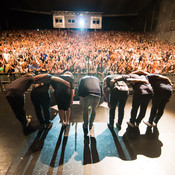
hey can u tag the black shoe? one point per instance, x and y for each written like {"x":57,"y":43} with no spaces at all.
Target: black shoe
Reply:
{"x":28,"y":129}
{"x":118,"y":126}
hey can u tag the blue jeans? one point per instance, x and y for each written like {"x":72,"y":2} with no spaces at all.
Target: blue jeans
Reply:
{"x":93,"y":102}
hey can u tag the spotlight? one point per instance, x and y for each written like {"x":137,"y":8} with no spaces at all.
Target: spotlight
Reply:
{"x":81,"y":22}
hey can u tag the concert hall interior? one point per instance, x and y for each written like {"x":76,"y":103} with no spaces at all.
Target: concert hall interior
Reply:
{"x":111,"y":60}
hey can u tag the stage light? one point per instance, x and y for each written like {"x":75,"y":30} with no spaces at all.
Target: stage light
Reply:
{"x":82,"y":22}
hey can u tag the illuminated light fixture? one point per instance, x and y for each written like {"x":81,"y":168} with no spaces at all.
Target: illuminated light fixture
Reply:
{"x":82,"y":22}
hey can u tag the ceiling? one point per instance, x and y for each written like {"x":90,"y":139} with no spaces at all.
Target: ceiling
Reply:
{"x":105,"y":6}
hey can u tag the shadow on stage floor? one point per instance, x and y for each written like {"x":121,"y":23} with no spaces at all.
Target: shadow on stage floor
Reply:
{"x":61,"y":149}
{"x":68,"y":150}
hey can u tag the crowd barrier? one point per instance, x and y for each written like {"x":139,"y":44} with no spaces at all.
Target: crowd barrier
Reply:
{"x":6,"y":79}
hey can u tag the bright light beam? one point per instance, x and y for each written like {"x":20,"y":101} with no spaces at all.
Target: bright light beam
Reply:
{"x":82,"y":22}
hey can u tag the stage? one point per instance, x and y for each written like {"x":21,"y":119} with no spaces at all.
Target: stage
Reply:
{"x":102,"y":151}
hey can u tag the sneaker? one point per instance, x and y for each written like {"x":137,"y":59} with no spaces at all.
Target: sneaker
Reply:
{"x":118,"y":126}
{"x":148,"y":124}
{"x":130,"y":124}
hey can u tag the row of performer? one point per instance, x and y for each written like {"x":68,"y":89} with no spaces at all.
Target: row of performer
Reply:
{"x":115,"y":89}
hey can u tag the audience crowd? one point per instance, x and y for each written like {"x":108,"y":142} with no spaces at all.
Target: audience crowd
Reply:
{"x":80,"y":51}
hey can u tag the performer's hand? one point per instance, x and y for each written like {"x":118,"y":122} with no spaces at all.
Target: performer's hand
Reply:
{"x":68,"y":84}
{"x":36,"y":85}
{"x":147,"y":82}
{"x":71,"y":102}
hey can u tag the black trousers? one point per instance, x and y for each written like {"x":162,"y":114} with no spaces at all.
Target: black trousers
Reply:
{"x":41,"y":102}
{"x":159,"y":102}
{"x":117,"y":98}
{"x":141,"y":101}
{"x":17,"y":104}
